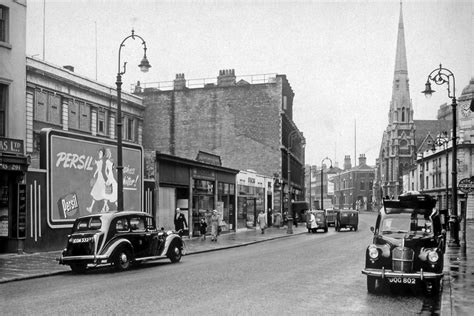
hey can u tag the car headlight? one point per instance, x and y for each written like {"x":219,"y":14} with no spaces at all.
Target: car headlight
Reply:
{"x":433,"y":256}
{"x":373,"y":252}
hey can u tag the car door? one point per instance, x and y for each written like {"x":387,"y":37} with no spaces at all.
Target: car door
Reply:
{"x":140,"y":237}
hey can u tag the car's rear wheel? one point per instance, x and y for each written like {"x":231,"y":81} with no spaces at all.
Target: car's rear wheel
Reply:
{"x":371,"y":284}
{"x":122,"y":259}
{"x":78,"y":268}
{"x":174,"y":253}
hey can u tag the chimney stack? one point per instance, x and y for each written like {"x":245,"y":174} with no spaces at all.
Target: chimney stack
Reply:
{"x":347,"y":162}
{"x":226,"y":78}
{"x":362,"y":160}
{"x":179,"y":83}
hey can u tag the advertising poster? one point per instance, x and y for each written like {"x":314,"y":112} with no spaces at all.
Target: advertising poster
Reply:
{"x":82,"y":176}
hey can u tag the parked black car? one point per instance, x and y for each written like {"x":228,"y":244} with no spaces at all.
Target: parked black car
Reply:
{"x":331,"y":215}
{"x":408,"y":245}
{"x":118,"y":239}
{"x":347,"y":219}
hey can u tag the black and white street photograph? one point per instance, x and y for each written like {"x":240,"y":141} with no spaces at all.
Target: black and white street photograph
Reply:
{"x":237,"y":157}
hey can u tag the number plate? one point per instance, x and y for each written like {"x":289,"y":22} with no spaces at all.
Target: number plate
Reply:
{"x":402,"y":280}
{"x":81,"y":240}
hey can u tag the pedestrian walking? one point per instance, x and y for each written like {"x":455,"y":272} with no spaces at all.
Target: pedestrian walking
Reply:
{"x":203,"y":228}
{"x":262,"y":221}
{"x":277,"y":219}
{"x":180,"y":223}
{"x":214,"y":225}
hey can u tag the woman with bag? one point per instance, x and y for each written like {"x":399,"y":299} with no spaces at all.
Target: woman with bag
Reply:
{"x":262,"y":221}
{"x":214,"y":225}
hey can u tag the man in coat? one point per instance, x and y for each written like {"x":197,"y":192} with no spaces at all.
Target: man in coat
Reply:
{"x":180,"y":223}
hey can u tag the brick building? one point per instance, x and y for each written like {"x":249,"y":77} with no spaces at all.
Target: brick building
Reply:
{"x":246,"y":121}
{"x":353,"y":185}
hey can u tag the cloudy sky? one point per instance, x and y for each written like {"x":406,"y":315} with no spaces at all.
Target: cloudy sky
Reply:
{"x":338,"y":56}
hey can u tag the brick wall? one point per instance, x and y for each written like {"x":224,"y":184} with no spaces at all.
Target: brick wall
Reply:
{"x":240,"y":123}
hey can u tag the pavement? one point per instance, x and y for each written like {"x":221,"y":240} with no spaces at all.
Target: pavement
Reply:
{"x":458,"y":281}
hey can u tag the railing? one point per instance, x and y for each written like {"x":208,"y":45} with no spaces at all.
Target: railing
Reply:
{"x":206,"y":82}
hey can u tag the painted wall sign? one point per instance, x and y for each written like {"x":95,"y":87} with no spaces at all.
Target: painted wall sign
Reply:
{"x":10,"y":145}
{"x":82,"y":176}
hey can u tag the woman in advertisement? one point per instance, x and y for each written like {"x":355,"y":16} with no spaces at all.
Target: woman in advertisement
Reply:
{"x":110,"y":182}
{"x":98,"y":187}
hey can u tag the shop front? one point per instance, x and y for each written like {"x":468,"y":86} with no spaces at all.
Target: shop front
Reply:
{"x":196,"y":187}
{"x":13,"y":166}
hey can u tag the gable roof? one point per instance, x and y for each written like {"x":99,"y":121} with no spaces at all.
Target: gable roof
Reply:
{"x":432,"y":127}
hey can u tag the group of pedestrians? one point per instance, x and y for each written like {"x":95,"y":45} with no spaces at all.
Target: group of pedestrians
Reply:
{"x":180,"y":224}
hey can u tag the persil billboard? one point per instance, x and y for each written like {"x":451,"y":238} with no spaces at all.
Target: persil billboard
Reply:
{"x":82,"y":175}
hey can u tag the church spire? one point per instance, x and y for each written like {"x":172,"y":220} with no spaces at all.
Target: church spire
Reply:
{"x":401,"y":56}
{"x":401,"y":110}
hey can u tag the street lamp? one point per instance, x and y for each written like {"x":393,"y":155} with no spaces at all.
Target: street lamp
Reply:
{"x":290,"y":214}
{"x":322,"y":180}
{"x":441,"y":76}
{"x":144,"y":67}
{"x":443,"y":140}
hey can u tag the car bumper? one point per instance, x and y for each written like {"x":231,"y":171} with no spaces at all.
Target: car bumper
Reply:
{"x":87,"y":259}
{"x":382,"y":273}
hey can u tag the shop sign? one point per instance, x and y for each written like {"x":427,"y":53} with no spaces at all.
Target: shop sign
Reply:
{"x":82,"y":175}
{"x":21,"y":216}
{"x":209,"y":158}
{"x":12,"y":167}
{"x":466,"y":185}
{"x":12,"y":146}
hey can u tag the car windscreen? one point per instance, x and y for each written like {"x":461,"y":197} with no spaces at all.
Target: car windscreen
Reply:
{"x":406,"y":223}
{"x":88,"y":223}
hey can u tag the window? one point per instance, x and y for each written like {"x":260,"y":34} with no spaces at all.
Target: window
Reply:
{"x":137,"y":223}
{"x":85,"y":117}
{"x":73,"y":120}
{"x":40,"y":106}
{"x":362,"y":185}
{"x":285,"y":102}
{"x":101,"y":122}
{"x":3,"y":109}
{"x":3,"y":24}
{"x":121,"y":225}
{"x":130,"y":129}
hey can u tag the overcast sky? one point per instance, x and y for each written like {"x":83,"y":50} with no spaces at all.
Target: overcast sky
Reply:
{"x":338,"y":56}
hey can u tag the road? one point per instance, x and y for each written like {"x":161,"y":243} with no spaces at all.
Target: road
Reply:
{"x":302,"y":275}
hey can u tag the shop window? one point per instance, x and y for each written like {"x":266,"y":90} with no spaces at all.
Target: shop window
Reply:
{"x":3,"y":109}
{"x":4,"y":201}
{"x":3,"y":24}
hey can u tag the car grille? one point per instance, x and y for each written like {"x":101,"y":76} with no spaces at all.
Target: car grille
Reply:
{"x":402,"y":259}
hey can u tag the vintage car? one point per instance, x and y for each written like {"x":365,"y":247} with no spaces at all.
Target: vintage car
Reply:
{"x":347,"y":219}
{"x":118,"y":239}
{"x":331,"y":216}
{"x":408,"y":245}
{"x":316,"y":220}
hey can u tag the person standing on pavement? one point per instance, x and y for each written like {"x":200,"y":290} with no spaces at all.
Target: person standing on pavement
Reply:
{"x":262,"y":221}
{"x":214,"y":225}
{"x":203,"y":228}
{"x":180,"y":223}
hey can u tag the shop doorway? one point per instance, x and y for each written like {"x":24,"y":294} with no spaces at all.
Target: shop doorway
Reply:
{"x":202,"y":207}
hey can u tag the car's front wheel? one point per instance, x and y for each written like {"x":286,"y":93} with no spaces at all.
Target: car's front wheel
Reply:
{"x":371,"y":284}
{"x":122,"y":259}
{"x":78,"y":268}
{"x":174,"y":254}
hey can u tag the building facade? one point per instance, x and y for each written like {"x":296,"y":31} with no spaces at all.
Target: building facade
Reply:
{"x":13,"y":160}
{"x":246,"y":121}
{"x":353,"y":186}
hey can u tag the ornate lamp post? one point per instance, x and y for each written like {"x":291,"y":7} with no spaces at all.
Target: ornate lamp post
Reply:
{"x":322,"y":181}
{"x":144,"y":67}
{"x":442,"y":76}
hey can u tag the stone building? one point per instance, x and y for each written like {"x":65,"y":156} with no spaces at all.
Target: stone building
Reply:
{"x":247,"y":122}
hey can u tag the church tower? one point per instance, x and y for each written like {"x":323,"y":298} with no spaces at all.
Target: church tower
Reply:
{"x":398,"y":149}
